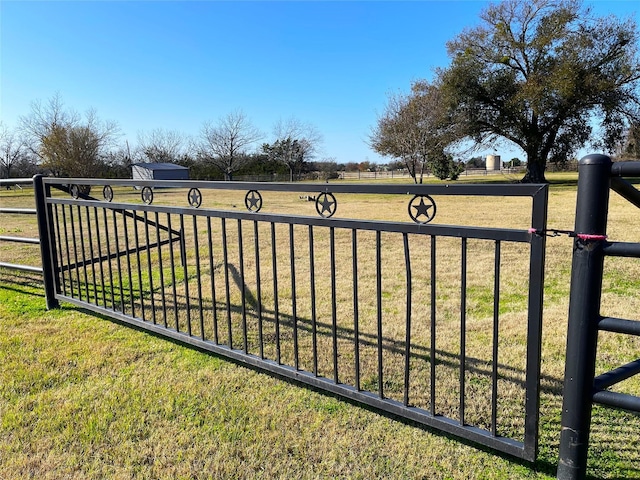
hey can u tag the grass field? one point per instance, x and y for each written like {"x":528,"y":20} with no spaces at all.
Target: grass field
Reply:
{"x":82,"y":397}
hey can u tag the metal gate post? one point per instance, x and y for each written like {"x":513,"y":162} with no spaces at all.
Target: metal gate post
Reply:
{"x":46,"y":243}
{"x":584,"y":315}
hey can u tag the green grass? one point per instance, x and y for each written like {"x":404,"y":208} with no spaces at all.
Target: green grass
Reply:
{"x":83,"y":397}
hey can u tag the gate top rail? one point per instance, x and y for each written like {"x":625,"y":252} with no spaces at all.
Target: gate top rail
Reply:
{"x":421,"y":208}
{"x":537,"y":192}
{"x":501,"y":190}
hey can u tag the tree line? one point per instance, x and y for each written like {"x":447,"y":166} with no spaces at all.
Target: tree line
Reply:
{"x":59,"y":141}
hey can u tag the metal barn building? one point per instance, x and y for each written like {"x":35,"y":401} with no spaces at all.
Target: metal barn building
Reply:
{"x":159,"y":171}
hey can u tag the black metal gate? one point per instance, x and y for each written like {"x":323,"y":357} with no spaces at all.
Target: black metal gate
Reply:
{"x":410,"y":317}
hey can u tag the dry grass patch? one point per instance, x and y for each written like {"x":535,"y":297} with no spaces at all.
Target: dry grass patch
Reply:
{"x":134,"y":405}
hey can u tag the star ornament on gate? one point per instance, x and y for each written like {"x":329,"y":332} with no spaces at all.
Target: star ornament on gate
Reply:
{"x":253,"y":201}
{"x":326,"y":204}
{"x":422,"y":209}
{"x":147,"y":195}
{"x":107,"y":193}
{"x":194,"y":197}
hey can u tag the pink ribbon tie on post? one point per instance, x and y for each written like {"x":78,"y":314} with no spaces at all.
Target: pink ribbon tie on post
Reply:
{"x":587,"y":236}
{"x":581,"y":236}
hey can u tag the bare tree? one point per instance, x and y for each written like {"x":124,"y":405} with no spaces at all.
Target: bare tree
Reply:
{"x":12,"y":148}
{"x":225,"y":144}
{"x":296,"y":142}
{"x":43,"y":120}
{"x":161,"y":146}
{"x":415,"y":129}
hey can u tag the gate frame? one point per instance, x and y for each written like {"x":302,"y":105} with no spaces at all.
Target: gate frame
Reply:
{"x":538,"y":193}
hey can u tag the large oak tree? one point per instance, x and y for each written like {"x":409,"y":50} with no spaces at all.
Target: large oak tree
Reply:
{"x":547,"y":76}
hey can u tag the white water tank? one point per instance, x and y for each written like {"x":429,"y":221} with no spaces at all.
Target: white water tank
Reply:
{"x":493,"y":162}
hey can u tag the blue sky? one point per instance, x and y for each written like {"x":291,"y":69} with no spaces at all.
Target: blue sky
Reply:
{"x":176,"y":64}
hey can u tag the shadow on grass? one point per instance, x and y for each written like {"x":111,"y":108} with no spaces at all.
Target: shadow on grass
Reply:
{"x":21,"y":282}
{"x":549,"y":384}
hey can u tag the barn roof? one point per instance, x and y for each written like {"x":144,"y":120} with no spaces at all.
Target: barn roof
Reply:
{"x":160,"y":166}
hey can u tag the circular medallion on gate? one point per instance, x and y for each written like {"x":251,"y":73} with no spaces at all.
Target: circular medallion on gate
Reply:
{"x":422,"y":209}
{"x":326,"y":204}
{"x":107,"y":193}
{"x":74,"y":191}
{"x":253,"y":201}
{"x":194,"y":197}
{"x":147,"y":195}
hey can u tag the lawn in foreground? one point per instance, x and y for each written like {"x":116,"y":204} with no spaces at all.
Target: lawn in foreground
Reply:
{"x":81,"y":397}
